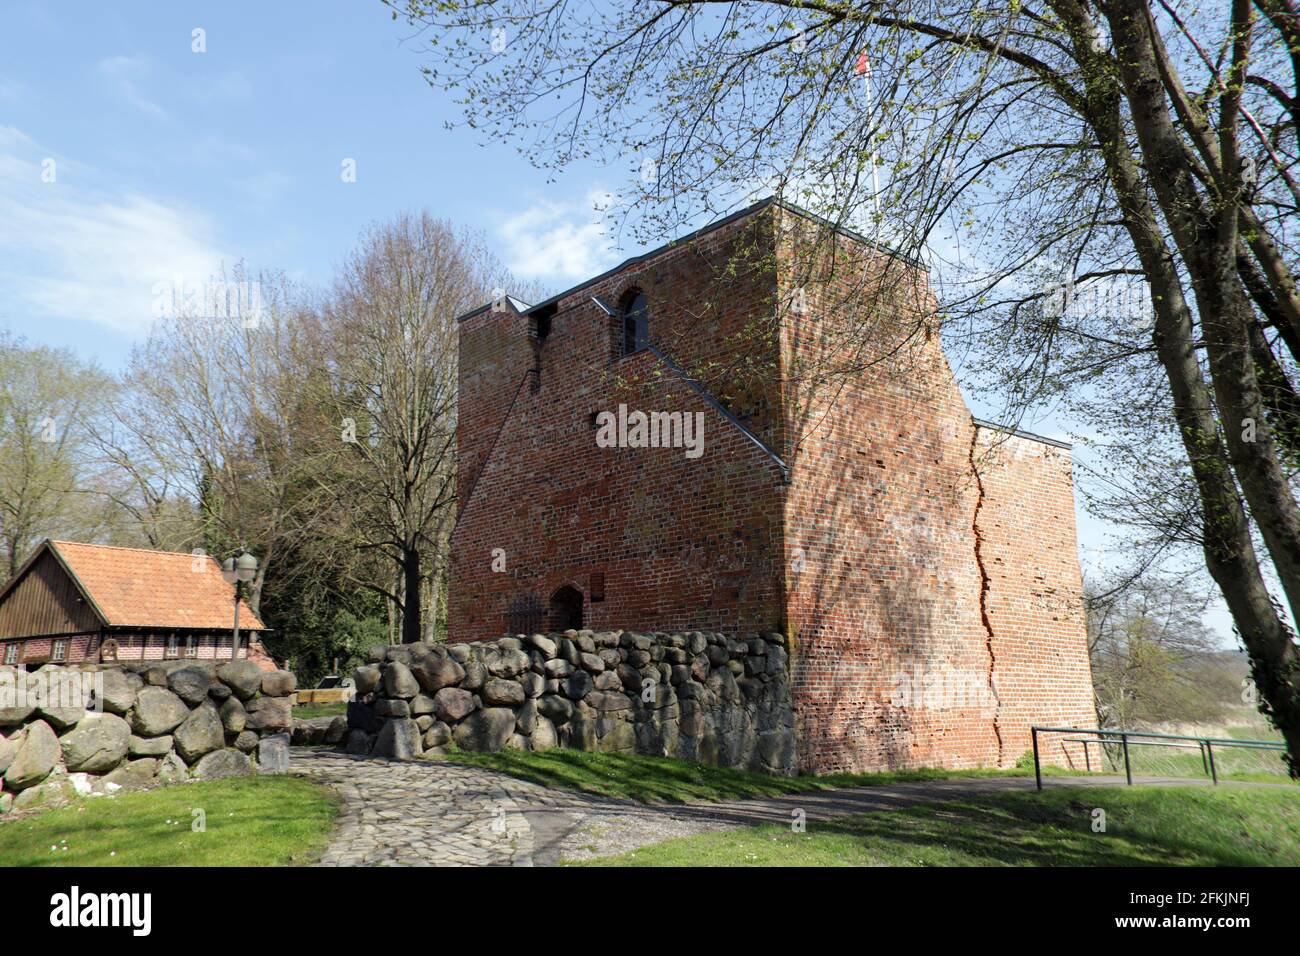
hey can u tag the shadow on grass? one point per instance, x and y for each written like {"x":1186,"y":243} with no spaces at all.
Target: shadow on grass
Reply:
{"x":665,"y":780}
{"x":1240,"y":826}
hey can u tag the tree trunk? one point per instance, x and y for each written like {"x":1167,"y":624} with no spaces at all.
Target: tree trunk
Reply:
{"x":411,"y":599}
{"x":1229,"y":551}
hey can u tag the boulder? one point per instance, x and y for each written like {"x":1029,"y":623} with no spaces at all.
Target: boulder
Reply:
{"x":172,"y":769}
{"x":526,"y":718}
{"x":363,"y":717}
{"x":577,"y":685}
{"x":274,"y":714}
{"x":399,"y":681}
{"x":485,"y":730}
{"x":246,"y":742}
{"x":556,"y":708}
{"x":391,"y":707}
{"x":242,"y":677}
{"x":219,"y":692}
{"x":366,"y":679}
{"x":508,"y":663}
{"x":608,"y":701}
{"x":149,"y":746}
{"x":222,"y":763}
{"x":358,"y":742}
{"x":399,"y":738}
{"x":475,"y":676}
{"x":60,"y":718}
{"x":134,"y":773}
{"x":117,"y":692}
{"x":200,"y":733}
{"x":453,"y":703}
{"x":9,"y":749}
{"x":437,"y":735}
{"x":157,"y":712}
{"x":97,"y":745}
{"x":557,"y":668}
{"x":421,"y":704}
{"x":435,"y":673}
{"x":190,"y":684}
{"x":55,"y":792}
{"x":542,"y":643}
{"x":338,"y":729}
{"x":504,"y":693}
{"x":37,"y":756}
{"x":15,"y":716}
{"x":533,"y":684}
{"x":233,"y":716}
{"x":543,"y":736}
{"x":593,"y":663}
{"x":273,"y":754}
{"x":279,"y":683}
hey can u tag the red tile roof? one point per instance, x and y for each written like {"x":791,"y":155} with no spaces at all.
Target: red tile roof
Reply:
{"x":131,"y":587}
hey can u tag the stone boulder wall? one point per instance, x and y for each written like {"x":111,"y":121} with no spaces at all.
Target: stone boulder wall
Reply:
{"x":706,"y":697}
{"x":146,"y":723}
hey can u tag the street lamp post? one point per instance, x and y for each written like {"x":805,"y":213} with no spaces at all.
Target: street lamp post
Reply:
{"x":238,"y":569}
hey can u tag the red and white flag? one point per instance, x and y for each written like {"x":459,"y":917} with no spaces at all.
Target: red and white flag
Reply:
{"x":863,"y":67}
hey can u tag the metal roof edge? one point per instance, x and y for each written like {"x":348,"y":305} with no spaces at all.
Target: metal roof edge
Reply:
{"x":1008,"y":429}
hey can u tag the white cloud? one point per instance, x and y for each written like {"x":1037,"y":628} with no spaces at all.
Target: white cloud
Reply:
{"x":72,"y":254}
{"x":558,"y":241}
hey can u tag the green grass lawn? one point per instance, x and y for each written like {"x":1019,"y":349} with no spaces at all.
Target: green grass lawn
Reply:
{"x":1145,"y":826}
{"x":308,"y":711}
{"x":664,"y":780}
{"x":250,"y":821}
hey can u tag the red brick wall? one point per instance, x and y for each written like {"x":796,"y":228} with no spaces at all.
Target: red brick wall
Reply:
{"x":867,"y":559}
{"x":1035,"y":597}
{"x":893,"y":665}
{"x":681,"y":542}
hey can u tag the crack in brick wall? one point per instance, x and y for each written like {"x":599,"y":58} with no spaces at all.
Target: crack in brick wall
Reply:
{"x":985,"y":584}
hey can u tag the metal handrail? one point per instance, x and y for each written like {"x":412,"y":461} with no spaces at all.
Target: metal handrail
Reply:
{"x":1204,"y":744}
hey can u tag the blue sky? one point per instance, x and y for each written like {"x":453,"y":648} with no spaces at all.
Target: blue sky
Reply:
{"x":170,"y":163}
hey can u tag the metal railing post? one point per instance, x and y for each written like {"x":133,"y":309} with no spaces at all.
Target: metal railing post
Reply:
{"x":1209,"y":750}
{"x":1128,"y":768}
{"x":1038,"y":773}
{"x":1087,"y":758}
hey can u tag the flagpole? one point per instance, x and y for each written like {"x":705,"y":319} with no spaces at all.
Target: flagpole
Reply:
{"x":864,"y":68}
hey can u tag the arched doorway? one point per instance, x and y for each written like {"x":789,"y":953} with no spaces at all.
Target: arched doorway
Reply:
{"x":566,"y":608}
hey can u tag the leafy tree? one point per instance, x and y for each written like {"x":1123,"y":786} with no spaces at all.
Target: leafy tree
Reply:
{"x":1061,"y":145}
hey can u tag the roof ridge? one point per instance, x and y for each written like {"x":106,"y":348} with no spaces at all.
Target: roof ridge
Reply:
{"x":122,"y":547}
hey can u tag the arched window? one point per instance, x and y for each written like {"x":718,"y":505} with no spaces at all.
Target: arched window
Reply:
{"x":566,"y":608}
{"x":636,"y":323}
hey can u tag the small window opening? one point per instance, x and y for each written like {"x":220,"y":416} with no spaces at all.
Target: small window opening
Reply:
{"x":636,"y":323}
{"x":539,"y":330}
{"x":539,"y":323}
